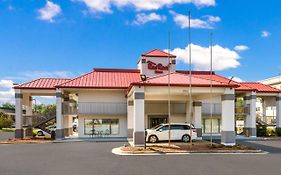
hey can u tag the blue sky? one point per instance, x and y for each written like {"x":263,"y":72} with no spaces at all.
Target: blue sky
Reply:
{"x":40,"y":38}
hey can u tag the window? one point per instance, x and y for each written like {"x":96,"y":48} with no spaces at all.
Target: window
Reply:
{"x":164,"y":128}
{"x":207,"y":126}
{"x":180,"y":127}
{"x":101,"y":126}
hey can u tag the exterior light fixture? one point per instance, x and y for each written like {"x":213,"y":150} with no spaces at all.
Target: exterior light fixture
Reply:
{"x":143,"y":77}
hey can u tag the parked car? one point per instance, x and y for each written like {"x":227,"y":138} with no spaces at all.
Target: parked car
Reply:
{"x":179,"y":131}
{"x":51,"y":128}
{"x":39,"y":133}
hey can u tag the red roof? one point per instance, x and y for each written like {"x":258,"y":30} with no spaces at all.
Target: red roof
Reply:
{"x":42,"y":83}
{"x":158,"y":53}
{"x":256,"y":86}
{"x":182,"y":79}
{"x":206,"y":75}
{"x":104,"y":78}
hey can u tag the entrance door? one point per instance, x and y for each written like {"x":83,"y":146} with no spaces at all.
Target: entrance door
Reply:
{"x":157,"y":119}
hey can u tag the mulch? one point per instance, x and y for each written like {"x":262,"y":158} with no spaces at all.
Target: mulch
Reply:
{"x":198,"y":146}
{"x":26,"y":140}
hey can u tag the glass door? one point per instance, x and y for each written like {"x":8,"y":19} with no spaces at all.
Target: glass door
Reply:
{"x":156,"y":120}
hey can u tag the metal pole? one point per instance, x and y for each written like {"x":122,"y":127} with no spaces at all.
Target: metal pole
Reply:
{"x":211,"y":85}
{"x":169,"y":90}
{"x":190,"y":75}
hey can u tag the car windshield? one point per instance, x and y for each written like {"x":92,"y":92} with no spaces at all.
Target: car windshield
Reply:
{"x":155,"y":127}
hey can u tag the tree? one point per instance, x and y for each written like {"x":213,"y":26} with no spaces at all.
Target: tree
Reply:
{"x":5,"y":120}
{"x":46,"y":110}
{"x":8,"y":105}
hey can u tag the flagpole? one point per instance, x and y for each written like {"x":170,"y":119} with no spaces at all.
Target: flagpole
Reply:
{"x":211,"y":85}
{"x":169,"y":88}
{"x":190,"y":76}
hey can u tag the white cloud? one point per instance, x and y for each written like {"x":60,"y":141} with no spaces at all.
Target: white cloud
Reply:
{"x":6,"y":91}
{"x":241,"y":48}
{"x":237,"y":79}
{"x":265,"y":34}
{"x":143,"y":18}
{"x":49,"y":11}
{"x":6,"y":83}
{"x":7,"y":96}
{"x":207,"y":22}
{"x":223,"y":58}
{"x":106,"y":5}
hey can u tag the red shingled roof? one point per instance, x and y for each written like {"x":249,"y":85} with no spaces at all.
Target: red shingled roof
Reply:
{"x":182,"y":79}
{"x":257,"y":86}
{"x":158,"y":53}
{"x":42,"y":83}
{"x":104,"y":78}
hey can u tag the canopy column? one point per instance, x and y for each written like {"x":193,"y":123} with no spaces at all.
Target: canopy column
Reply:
{"x":18,"y":116}
{"x":138,"y":119}
{"x":198,"y":118}
{"x":228,"y":118}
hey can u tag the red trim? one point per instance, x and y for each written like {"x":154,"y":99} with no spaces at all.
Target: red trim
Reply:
{"x":196,"y":72}
{"x":116,"y":70}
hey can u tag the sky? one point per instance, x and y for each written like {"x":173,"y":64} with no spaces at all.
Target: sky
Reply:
{"x":66,"y":38}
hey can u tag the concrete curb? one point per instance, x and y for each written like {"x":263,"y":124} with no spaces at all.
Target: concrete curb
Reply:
{"x":117,"y":151}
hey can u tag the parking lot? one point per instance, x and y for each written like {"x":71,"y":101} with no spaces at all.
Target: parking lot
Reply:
{"x":95,"y":158}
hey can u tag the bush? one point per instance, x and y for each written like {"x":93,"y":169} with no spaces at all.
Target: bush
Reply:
{"x":5,"y":121}
{"x":261,"y":130}
{"x":278,"y":131}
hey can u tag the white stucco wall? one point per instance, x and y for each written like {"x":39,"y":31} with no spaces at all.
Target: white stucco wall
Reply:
{"x":102,"y":96}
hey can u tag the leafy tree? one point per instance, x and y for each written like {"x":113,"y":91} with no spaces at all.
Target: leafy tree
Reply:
{"x":47,"y":110}
{"x":8,"y":105}
{"x":5,"y":120}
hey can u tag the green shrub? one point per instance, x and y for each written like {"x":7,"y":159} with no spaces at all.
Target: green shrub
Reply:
{"x":5,"y":121}
{"x":261,"y":130}
{"x":278,"y":131}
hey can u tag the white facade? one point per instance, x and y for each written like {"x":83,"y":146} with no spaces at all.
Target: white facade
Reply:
{"x":127,"y":112}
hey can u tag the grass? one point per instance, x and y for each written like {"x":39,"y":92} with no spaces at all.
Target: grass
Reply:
{"x":7,"y":130}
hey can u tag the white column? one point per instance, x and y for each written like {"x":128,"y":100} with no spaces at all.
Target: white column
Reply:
{"x":228,"y":118}
{"x":198,"y":118}
{"x":278,"y":113}
{"x":139,"y":131}
{"x":59,"y":116}
{"x":18,"y":117}
{"x":130,"y":116}
{"x":28,"y":108}
{"x":250,"y":124}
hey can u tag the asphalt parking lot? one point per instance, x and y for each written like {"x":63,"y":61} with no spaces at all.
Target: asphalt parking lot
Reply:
{"x":95,"y":158}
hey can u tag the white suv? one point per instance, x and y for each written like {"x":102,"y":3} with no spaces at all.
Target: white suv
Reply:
{"x":179,"y":131}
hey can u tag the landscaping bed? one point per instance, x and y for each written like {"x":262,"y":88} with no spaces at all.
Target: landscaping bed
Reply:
{"x":26,"y":140}
{"x":196,"y":147}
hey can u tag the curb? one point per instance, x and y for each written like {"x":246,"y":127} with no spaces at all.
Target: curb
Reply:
{"x":117,"y":151}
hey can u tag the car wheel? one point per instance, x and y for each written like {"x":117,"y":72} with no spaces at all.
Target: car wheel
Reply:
{"x":152,"y":139}
{"x":185,"y":138}
{"x":40,"y":133}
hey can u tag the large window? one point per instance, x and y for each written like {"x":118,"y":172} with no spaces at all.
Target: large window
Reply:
{"x":101,"y":126}
{"x":207,"y":126}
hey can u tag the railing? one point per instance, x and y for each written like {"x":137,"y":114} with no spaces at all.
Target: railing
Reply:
{"x":69,"y":108}
{"x":36,"y":120}
{"x":105,"y":108}
{"x":216,"y":108}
